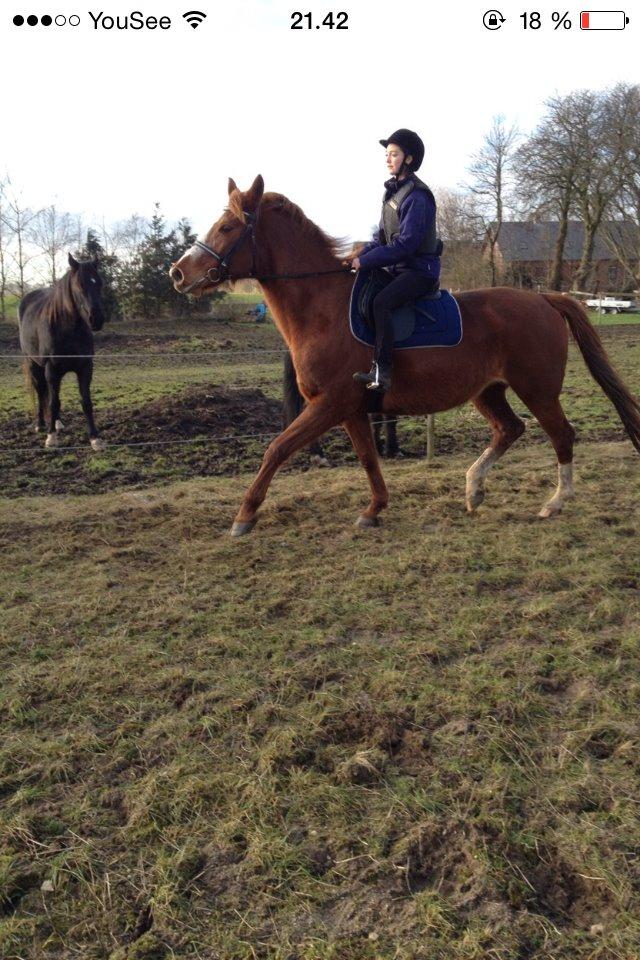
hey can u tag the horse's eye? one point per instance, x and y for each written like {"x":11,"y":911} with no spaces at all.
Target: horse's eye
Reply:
{"x":225,"y":228}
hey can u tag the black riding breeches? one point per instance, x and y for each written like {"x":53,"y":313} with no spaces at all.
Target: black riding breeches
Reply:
{"x":403,"y":289}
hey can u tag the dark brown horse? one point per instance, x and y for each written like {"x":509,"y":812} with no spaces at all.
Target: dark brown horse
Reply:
{"x":56,"y":337}
{"x":512,"y":338}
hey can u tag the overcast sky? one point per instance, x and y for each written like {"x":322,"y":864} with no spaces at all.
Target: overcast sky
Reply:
{"x":106,"y":122}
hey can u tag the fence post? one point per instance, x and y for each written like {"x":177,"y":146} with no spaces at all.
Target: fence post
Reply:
{"x":431,"y":437}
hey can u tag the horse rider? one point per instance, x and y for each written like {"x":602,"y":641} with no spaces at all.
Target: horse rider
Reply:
{"x":406,"y":246}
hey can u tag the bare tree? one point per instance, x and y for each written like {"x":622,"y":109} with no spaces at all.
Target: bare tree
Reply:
{"x":52,"y":232}
{"x":605,"y":132}
{"x":623,"y":233}
{"x":4,"y":245}
{"x":126,"y":235}
{"x":546,"y":168}
{"x":490,"y":173}
{"x":16,"y":219}
{"x":459,"y":225}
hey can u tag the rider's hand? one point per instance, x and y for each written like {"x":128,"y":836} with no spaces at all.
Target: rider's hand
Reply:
{"x":355,"y":263}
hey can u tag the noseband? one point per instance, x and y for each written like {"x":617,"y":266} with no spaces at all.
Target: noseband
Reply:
{"x":220,"y":272}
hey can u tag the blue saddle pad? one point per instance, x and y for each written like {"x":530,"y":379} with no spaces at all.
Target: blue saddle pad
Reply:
{"x":432,"y":321}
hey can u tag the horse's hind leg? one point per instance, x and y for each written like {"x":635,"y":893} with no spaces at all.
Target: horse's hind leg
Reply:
{"x":393,"y":447}
{"x":39,"y":382}
{"x":53,"y":379}
{"x":507,"y":427}
{"x":551,"y":417}
{"x":85,"y":375}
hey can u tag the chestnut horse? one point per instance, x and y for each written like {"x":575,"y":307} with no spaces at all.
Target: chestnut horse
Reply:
{"x":512,"y":338}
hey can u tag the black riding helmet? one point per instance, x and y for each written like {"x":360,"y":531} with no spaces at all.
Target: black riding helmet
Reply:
{"x":410,"y":143}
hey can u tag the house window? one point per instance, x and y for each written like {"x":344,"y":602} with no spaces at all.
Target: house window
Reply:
{"x":613,"y":275}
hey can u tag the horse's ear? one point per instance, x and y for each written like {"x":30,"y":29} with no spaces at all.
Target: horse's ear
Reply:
{"x":254,"y":194}
{"x":73,"y":263}
{"x":232,"y":185}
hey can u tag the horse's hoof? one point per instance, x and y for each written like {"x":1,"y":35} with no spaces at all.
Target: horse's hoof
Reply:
{"x":59,"y":426}
{"x":366,"y":522}
{"x":52,"y":441}
{"x":548,"y":512}
{"x":319,"y":461}
{"x":240,"y":527}
{"x":98,"y":444}
{"x":474,"y":501}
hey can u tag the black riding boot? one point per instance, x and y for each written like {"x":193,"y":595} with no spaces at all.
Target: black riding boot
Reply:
{"x":378,"y":378}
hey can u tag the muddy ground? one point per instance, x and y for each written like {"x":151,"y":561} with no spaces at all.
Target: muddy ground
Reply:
{"x":209,"y":430}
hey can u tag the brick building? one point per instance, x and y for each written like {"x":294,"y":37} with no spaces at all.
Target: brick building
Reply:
{"x":525,"y":252}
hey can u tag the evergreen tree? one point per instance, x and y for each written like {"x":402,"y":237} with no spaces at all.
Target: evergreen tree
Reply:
{"x":143,"y":284}
{"x":108,"y":266}
{"x":155,"y":291}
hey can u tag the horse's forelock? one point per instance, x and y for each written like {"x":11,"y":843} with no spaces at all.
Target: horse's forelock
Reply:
{"x":235,"y":205}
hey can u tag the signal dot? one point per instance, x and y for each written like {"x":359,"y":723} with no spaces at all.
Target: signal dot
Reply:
{"x":60,"y":20}
{"x":18,"y":20}
{"x":46,"y":20}
{"x":32,"y":20}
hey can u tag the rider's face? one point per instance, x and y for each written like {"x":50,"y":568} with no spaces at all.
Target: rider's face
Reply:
{"x":395,"y":158}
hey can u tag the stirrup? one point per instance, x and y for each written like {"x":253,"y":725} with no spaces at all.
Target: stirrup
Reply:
{"x":381,"y":381}
{"x":367,"y":377}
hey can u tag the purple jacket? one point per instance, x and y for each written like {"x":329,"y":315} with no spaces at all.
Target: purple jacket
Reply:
{"x":417,"y":213}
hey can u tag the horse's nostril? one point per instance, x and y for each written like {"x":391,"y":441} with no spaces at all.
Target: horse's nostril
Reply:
{"x":176,"y":274}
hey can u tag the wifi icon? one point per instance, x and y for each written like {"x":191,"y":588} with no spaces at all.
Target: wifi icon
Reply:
{"x":194,"y":17}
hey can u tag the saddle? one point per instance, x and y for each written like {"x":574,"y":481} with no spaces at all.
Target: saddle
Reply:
{"x":404,"y":316}
{"x":432,"y":320}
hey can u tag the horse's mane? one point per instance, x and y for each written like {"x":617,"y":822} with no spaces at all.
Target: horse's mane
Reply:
{"x":60,"y":309}
{"x":334,"y":246}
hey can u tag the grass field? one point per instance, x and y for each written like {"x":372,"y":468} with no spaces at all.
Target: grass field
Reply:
{"x":314,"y":743}
{"x":418,"y":742}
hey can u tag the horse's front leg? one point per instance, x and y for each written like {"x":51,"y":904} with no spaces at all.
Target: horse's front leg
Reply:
{"x":359,"y":429}
{"x":85,"y":376}
{"x":316,"y":418}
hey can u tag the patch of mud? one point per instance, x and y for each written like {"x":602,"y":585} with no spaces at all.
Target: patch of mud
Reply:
{"x":161,"y":429}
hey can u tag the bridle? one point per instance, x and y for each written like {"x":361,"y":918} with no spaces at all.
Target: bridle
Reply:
{"x":221,"y":271}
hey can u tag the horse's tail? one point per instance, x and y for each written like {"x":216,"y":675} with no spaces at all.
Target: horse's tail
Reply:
{"x":292,"y":399}
{"x":28,"y":379}
{"x":600,"y":367}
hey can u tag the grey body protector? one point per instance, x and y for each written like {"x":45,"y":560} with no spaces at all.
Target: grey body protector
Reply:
{"x":391,"y":215}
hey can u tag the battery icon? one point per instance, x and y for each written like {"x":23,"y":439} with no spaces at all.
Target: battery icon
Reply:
{"x":603,"y":20}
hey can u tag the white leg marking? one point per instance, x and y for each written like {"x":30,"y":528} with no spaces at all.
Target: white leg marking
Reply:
{"x":476,"y":476}
{"x":98,"y":444}
{"x":52,"y":440}
{"x":564,"y":490}
{"x":59,"y":426}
